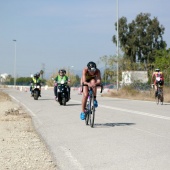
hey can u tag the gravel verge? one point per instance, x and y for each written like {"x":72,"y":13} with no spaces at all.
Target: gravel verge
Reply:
{"x":21,"y":148}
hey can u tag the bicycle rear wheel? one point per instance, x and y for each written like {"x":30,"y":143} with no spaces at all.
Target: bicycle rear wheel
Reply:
{"x":92,"y":115}
{"x":157,"y":97}
{"x":162,"y":99}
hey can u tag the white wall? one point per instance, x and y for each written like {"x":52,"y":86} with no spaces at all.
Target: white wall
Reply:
{"x":129,"y":77}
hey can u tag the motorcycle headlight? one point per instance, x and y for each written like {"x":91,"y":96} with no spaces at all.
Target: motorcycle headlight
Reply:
{"x":62,"y":81}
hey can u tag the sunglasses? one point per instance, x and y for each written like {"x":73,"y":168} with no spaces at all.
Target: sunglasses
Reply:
{"x":92,"y":69}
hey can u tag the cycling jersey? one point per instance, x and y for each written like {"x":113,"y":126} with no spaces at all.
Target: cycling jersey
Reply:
{"x":89,"y":76}
{"x":158,"y":78}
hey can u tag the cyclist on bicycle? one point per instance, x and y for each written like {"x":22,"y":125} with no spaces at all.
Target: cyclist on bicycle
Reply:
{"x":157,"y":79}
{"x":90,"y":76}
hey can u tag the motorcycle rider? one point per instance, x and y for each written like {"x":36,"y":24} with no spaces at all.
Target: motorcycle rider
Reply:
{"x":58,"y":79}
{"x":36,"y":80}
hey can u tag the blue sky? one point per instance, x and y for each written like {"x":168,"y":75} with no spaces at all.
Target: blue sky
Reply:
{"x":65,"y":33}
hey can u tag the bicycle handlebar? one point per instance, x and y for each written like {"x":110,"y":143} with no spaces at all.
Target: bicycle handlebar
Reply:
{"x":99,"y":85}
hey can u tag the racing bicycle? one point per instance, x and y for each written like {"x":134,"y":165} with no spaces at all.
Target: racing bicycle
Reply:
{"x":90,"y":109}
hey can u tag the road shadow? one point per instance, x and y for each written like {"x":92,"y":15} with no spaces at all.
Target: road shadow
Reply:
{"x":44,"y":99}
{"x":165,"y":104}
{"x":101,"y":125}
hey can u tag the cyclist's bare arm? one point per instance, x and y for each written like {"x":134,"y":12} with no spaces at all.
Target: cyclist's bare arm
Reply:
{"x":98,"y":77}
{"x":83,"y":78}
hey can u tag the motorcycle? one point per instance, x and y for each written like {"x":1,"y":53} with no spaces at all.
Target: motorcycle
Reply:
{"x":63,"y":93}
{"x":35,"y":91}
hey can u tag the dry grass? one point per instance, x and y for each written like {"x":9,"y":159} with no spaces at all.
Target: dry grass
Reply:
{"x":130,"y":93}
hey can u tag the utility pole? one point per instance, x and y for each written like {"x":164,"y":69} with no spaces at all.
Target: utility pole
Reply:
{"x":15,"y":58}
{"x":117,"y":44}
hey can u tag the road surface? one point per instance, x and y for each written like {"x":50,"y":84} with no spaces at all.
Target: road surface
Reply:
{"x":127,"y":134}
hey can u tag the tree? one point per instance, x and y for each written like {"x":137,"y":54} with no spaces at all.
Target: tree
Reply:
{"x":163,"y":62}
{"x":140,"y":38}
{"x":109,"y":68}
{"x":23,"y":81}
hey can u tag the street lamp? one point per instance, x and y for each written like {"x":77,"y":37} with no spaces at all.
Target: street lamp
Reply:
{"x":15,"y":42}
{"x":117,"y":44}
{"x":105,"y":75}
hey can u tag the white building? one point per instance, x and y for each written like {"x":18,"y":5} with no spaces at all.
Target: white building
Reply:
{"x":129,"y":77}
{"x":3,"y":77}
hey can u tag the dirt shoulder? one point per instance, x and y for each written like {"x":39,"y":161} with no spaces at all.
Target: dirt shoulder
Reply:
{"x":21,"y":148}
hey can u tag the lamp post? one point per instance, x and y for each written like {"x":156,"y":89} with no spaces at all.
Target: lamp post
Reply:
{"x":15,"y":42}
{"x":105,"y":76}
{"x":117,"y":44}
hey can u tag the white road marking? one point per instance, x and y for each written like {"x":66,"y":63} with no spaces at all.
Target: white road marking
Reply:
{"x":73,"y":160}
{"x":132,"y":111}
{"x":137,"y":112}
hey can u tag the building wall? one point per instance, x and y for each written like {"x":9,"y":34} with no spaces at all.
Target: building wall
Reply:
{"x":129,"y":77}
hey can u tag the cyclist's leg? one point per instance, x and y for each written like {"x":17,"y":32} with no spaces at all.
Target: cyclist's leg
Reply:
{"x":84,"y":98}
{"x":93,"y":82}
{"x":156,"y":89}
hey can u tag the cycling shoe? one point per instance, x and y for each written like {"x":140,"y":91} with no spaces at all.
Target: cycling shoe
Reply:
{"x":82,"y":116}
{"x":95,"y":103}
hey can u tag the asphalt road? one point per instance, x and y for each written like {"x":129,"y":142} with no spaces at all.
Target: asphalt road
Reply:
{"x":127,"y":134}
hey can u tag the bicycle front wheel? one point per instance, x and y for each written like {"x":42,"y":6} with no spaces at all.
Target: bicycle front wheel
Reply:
{"x":87,"y":117}
{"x":92,"y":115}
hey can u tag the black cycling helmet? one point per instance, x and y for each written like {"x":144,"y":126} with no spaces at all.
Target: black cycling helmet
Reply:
{"x":35,"y":75}
{"x":157,"y":69}
{"x":91,"y":66}
{"x":62,"y":70}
